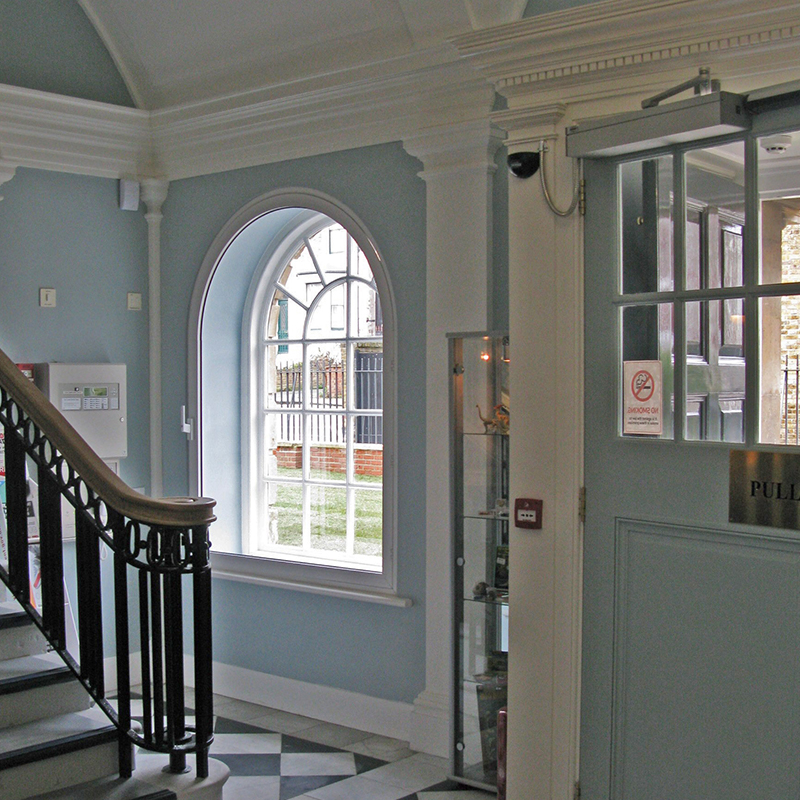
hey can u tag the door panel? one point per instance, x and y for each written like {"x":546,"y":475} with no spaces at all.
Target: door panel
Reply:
{"x":691,"y":640}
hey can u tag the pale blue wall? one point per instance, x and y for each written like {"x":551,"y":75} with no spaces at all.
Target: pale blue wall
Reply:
{"x":67,"y":232}
{"x":351,"y":645}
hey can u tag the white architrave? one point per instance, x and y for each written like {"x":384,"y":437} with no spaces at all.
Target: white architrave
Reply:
{"x":154,"y":193}
{"x":458,"y":165}
{"x":554,"y":70}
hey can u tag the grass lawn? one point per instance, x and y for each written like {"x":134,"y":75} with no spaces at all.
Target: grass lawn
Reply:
{"x":328,"y":515}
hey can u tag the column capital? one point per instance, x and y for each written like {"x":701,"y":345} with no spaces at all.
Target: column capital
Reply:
{"x":154,"y":193}
{"x":529,"y":124}
{"x":7,"y":171}
{"x":458,"y":147}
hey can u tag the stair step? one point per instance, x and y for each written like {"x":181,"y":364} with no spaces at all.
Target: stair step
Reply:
{"x":64,"y":733}
{"x":55,"y":753}
{"x":110,"y":789}
{"x":18,"y":635}
{"x":34,"y":687}
{"x":13,"y":618}
{"x":30,"y":672}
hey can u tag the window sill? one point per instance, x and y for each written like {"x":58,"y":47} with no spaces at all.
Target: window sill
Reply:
{"x":246,"y":569}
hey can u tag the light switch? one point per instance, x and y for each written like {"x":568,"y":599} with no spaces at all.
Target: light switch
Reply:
{"x":47,"y":298}
{"x":134,"y":301}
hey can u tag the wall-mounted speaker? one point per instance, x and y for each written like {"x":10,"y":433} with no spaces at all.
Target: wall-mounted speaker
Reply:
{"x":128,"y":194}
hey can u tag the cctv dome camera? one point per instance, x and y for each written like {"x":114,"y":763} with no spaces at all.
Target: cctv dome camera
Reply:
{"x":523,"y":165}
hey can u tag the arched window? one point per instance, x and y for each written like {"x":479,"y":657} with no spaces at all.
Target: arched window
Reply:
{"x":315,"y":503}
{"x":316,"y":481}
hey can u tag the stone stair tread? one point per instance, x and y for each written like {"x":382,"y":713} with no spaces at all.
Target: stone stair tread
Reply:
{"x":17,"y":674}
{"x":12,"y":616}
{"x":59,"y":730}
{"x":111,"y":788}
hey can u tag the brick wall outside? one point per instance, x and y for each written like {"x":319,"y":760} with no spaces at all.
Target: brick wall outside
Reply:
{"x":332,"y":458}
{"x":790,"y":326}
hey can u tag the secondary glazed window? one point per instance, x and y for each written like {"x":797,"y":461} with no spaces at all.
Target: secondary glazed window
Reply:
{"x":709,"y":300}
{"x":297,"y":399}
{"x":316,"y":484}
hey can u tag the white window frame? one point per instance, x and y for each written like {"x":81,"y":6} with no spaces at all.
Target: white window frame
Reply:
{"x":380,"y":587}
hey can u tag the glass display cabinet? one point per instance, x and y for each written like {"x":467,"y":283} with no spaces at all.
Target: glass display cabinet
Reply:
{"x":479,"y":365}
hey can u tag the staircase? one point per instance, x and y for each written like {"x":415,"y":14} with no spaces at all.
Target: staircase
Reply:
{"x":51,"y":738}
{"x":62,"y":736}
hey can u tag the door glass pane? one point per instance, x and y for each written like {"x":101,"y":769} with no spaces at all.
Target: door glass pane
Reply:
{"x":779,"y":195}
{"x":647,"y":370}
{"x":714,"y":216}
{"x":646,"y":225}
{"x":780,"y":369}
{"x":779,"y":262}
{"x":715,"y":369}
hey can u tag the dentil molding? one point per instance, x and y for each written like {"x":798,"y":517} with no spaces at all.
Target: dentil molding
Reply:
{"x":605,"y":43}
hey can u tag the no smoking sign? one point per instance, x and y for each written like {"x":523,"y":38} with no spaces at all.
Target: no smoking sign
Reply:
{"x":642,"y":412}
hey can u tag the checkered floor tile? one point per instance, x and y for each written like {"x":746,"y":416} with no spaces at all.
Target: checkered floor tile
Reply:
{"x":274,"y":766}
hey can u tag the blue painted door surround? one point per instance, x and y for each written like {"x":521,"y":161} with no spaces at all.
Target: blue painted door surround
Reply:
{"x":691,"y":625}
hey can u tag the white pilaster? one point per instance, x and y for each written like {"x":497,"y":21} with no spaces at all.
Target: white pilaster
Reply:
{"x":458,"y":164}
{"x":545,"y":310}
{"x":154,"y":193}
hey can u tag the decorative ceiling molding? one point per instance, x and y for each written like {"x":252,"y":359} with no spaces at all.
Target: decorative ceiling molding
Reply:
{"x":612,"y":39}
{"x":47,"y":131}
{"x":208,"y":138}
{"x":612,"y":51}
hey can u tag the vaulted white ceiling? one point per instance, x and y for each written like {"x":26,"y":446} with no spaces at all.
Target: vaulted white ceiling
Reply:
{"x":176,"y":52}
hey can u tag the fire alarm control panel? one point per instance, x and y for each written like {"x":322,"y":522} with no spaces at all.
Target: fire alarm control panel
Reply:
{"x":93,"y":399}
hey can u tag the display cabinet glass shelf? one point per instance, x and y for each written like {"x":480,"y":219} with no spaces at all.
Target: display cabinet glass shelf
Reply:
{"x":479,"y":442}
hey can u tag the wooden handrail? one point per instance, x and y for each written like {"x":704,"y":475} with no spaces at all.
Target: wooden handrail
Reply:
{"x":172,"y":512}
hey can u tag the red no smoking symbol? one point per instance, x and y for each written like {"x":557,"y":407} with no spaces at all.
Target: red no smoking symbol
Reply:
{"x":643,"y":385}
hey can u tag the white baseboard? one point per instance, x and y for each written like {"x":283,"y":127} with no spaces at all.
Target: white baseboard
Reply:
{"x":425,"y":724}
{"x":339,"y":706}
{"x":430,"y":724}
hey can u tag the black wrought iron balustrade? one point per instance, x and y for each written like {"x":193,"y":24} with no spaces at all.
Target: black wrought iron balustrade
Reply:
{"x":132,"y":560}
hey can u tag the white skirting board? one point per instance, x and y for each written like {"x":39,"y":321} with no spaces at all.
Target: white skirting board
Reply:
{"x":424,"y":723}
{"x":339,"y":706}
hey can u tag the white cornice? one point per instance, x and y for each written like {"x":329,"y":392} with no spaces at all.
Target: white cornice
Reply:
{"x":49,"y":131}
{"x":607,"y":41}
{"x":215,"y":137}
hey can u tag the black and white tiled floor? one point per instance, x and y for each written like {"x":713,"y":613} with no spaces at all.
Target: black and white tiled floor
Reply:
{"x":275,"y":755}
